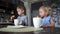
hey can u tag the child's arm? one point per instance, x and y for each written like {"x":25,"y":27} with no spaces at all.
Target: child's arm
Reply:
{"x":51,"y":24}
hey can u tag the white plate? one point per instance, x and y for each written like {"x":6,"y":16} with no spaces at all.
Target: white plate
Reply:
{"x":15,"y":26}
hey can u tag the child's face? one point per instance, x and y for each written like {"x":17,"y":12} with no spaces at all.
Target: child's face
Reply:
{"x":20,"y":11}
{"x":42,"y":13}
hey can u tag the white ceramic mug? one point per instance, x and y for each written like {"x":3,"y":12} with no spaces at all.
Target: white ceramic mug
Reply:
{"x":37,"y":22}
{"x":16,"y":21}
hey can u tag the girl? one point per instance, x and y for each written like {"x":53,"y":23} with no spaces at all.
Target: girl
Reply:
{"x":44,"y":13}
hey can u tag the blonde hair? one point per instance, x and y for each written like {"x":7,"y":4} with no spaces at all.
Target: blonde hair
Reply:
{"x":47,"y":9}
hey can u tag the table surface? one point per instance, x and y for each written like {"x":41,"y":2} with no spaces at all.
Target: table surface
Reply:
{"x":20,"y":29}
{"x":56,"y":31}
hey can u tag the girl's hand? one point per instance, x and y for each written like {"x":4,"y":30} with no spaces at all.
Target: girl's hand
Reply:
{"x":44,"y":26}
{"x":12,"y":18}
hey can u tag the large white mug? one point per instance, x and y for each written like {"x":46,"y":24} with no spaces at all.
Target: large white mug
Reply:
{"x":36,"y":22}
{"x":16,"y":21}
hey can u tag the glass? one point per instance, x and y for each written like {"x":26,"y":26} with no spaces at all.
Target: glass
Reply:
{"x":37,"y":22}
{"x":16,"y":21}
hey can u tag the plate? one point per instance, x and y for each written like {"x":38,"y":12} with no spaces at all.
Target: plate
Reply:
{"x":15,"y":26}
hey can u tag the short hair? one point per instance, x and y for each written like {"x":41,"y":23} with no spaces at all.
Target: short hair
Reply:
{"x":21,"y":7}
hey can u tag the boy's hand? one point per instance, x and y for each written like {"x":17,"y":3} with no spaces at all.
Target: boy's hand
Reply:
{"x":21,"y":23}
{"x":12,"y":18}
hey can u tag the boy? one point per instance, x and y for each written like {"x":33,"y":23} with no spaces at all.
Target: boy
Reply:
{"x":21,"y":17}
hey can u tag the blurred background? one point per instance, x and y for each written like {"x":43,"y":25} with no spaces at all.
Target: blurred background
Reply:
{"x":8,"y":8}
